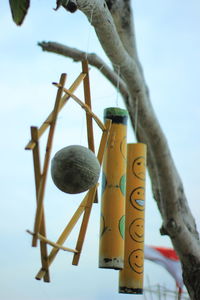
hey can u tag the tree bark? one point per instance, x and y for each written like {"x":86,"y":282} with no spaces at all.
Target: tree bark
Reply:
{"x":113,"y":23}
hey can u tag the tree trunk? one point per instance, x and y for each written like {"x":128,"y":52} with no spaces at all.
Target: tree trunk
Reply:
{"x":113,"y":23}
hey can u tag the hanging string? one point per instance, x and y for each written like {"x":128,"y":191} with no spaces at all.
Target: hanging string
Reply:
{"x":118,"y":78}
{"x":136,"y":116}
{"x":102,"y":66}
{"x":82,"y":126}
{"x":89,"y":32}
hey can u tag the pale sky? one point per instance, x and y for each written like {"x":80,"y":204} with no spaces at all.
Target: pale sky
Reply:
{"x":169,"y":48}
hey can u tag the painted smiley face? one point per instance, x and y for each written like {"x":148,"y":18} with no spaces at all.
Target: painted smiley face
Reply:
{"x":137,"y":198}
{"x":139,"y":167}
{"x":136,"y":230}
{"x":136,"y":261}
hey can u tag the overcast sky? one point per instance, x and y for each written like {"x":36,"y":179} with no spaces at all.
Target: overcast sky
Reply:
{"x":169,"y":48}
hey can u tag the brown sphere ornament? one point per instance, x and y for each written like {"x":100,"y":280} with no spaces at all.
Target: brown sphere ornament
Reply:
{"x":75,"y":169}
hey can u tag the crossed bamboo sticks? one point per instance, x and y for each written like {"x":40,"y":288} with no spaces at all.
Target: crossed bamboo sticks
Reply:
{"x":39,"y":232}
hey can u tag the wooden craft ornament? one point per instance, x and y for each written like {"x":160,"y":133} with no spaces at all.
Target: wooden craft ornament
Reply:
{"x":75,"y":169}
{"x":85,"y":165}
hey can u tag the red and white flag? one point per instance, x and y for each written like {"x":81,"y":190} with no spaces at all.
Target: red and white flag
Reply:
{"x":167,"y":258}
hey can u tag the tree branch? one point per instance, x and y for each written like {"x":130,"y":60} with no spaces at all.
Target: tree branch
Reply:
{"x":93,"y":59}
{"x":168,"y":189}
{"x":121,"y":12}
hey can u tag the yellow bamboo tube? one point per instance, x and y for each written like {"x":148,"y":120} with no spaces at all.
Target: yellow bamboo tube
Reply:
{"x":131,"y":277}
{"x":111,"y":246}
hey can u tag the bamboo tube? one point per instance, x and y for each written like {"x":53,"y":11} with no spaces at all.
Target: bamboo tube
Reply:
{"x":111,"y":247}
{"x":131,"y":277}
{"x":84,"y":225}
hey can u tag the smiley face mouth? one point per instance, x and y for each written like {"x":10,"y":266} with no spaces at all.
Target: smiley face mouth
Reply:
{"x":140,"y":202}
{"x":139,"y":235}
{"x":139,"y":266}
{"x":141,"y":173}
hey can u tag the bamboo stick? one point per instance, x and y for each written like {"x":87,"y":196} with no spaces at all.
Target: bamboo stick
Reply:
{"x":104,"y":140}
{"x":46,"y":161}
{"x":53,"y":244}
{"x":37,"y":172}
{"x":83,"y":229}
{"x":49,"y":119}
{"x":86,"y":85}
{"x":87,"y":95}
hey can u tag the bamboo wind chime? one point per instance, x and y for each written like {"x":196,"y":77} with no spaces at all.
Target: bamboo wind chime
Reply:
{"x":111,"y":248}
{"x":121,"y":242}
{"x":131,"y":277}
{"x":39,"y":232}
{"x":121,"y":245}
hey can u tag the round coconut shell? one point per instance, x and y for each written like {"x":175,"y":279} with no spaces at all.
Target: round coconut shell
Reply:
{"x":75,"y":169}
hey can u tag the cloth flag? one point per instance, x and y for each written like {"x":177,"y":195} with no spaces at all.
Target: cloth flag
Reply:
{"x":167,"y":258}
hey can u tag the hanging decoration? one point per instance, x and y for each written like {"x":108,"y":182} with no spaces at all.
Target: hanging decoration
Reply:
{"x":131,"y":277}
{"x":76,"y":169}
{"x":111,"y":248}
{"x":88,"y":160}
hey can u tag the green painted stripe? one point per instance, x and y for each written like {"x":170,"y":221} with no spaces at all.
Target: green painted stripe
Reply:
{"x":115,"y":111}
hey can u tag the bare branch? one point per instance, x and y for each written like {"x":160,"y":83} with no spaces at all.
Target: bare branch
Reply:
{"x":93,"y":59}
{"x":121,"y":12}
{"x":167,"y":186}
